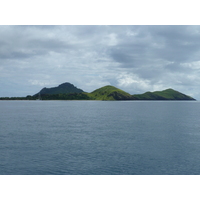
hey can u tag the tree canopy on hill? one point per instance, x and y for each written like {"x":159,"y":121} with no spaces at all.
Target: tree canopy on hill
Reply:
{"x":64,"y":88}
{"x":68,"y":91}
{"x":168,"y":94}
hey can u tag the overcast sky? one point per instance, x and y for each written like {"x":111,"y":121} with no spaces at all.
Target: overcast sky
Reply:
{"x":133,"y":58}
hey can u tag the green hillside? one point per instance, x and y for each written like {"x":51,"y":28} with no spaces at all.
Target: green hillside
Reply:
{"x":110,"y":93}
{"x":148,"y":96}
{"x":168,"y":94}
{"x":68,"y":91}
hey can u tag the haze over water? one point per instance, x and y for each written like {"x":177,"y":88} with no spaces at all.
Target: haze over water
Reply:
{"x":100,"y":137}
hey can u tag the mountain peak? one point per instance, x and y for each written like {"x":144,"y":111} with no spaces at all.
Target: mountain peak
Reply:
{"x":110,"y":92}
{"x":66,"y":84}
{"x":64,"y":88}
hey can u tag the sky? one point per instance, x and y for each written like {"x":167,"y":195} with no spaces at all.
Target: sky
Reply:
{"x":134,"y":58}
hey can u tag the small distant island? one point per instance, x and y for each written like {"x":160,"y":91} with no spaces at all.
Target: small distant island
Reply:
{"x":67,"y":91}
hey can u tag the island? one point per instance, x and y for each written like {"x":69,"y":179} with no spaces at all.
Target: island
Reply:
{"x":67,"y":91}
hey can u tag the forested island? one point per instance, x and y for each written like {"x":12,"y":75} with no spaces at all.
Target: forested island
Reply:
{"x":68,"y":91}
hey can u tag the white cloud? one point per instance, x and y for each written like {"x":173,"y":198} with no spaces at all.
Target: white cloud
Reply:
{"x":41,"y":83}
{"x":112,"y":41}
{"x":192,"y":65}
{"x":133,"y":82}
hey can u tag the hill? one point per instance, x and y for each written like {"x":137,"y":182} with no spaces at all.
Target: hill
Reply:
{"x":168,"y":94}
{"x":68,"y":91}
{"x":65,"y":88}
{"x":110,"y":93}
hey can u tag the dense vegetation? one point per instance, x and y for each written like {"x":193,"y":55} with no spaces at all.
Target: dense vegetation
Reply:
{"x":29,"y":97}
{"x":65,"y":88}
{"x":168,"y":94}
{"x":71,"y":96}
{"x":67,"y":91}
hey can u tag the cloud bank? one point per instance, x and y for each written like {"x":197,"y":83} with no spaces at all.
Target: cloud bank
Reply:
{"x":134,"y":58}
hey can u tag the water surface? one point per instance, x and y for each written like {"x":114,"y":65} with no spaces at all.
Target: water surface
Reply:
{"x":99,"y":137}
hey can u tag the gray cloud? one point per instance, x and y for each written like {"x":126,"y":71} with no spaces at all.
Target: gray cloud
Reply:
{"x":134,"y":58}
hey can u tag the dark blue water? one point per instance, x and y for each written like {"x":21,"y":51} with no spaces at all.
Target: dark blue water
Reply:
{"x":99,"y":137}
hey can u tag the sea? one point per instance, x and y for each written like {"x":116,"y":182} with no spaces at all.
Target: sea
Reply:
{"x":99,"y":138}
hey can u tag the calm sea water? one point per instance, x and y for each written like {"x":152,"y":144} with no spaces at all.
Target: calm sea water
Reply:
{"x":99,"y":137}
